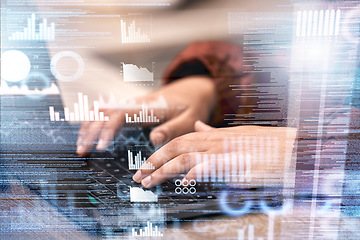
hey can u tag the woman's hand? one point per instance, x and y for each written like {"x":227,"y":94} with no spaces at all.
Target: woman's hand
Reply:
{"x":188,"y":99}
{"x":236,"y":155}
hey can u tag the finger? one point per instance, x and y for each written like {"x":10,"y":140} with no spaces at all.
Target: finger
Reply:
{"x":196,"y":172}
{"x":109,"y":130}
{"x":200,"y":126}
{"x":180,"y":145}
{"x":88,"y":136}
{"x":208,"y":168}
{"x":81,"y":135}
{"x":201,"y":173}
{"x":82,"y":131}
{"x":180,"y":164}
{"x":172,"y":128}
{"x":218,"y":168}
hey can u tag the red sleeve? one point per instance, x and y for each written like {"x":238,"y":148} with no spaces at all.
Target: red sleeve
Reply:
{"x":224,"y":62}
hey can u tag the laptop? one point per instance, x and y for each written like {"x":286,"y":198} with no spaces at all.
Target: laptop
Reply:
{"x":97,"y":192}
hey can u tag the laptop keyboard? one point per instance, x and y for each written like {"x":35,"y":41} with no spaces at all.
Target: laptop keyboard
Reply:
{"x":109,"y":181}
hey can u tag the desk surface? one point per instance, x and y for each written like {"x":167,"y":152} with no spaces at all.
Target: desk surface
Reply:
{"x":25,"y":215}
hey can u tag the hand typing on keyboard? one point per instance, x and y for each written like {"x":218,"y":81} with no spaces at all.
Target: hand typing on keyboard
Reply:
{"x":187,"y":99}
{"x":235,"y":155}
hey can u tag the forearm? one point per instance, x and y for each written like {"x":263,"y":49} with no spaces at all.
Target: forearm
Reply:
{"x":220,"y":61}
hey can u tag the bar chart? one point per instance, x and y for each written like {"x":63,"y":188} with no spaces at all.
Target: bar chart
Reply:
{"x":142,"y":117}
{"x":138,"y":161}
{"x":113,"y":102}
{"x":251,"y":233}
{"x":224,"y":167}
{"x":81,"y":112}
{"x":318,"y":23}
{"x":132,"y":34}
{"x":43,"y":32}
{"x":148,"y":231}
{"x":133,"y":73}
{"x":240,"y":160}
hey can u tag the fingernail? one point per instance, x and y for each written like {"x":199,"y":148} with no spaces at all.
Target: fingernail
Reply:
{"x":80,"y":150}
{"x":137,"y":176}
{"x":146,"y":181}
{"x":157,"y":138}
{"x":184,"y":182}
{"x":102,"y":145}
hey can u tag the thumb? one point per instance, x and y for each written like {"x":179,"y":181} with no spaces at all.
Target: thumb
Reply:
{"x":200,"y":126}
{"x":172,"y":128}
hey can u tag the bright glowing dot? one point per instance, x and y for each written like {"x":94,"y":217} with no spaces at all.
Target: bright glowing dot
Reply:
{"x":15,"y":66}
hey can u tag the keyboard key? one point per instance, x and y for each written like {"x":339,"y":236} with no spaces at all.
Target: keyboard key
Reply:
{"x":108,"y":180}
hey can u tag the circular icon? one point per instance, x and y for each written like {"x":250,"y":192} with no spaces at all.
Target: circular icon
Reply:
{"x":37,"y":80}
{"x":178,"y":182}
{"x":192,"y":190}
{"x":326,"y":207}
{"x":15,"y":66}
{"x":185,"y":186}
{"x":227,"y":209}
{"x":185,"y":190}
{"x":286,"y":206}
{"x":61,"y":76}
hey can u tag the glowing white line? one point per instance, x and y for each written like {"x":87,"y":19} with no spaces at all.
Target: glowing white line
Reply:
{"x":321,"y":23}
{"x":309,"y":23}
{"x":241,"y":168}
{"x":213,"y":167}
{"x":234,"y":167}
{"x":206,"y":168}
{"x":271,"y":226}
{"x":315,"y":22}
{"x":298,"y":26}
{"x":326,"y":23}
{"x":248,"y":168}
{"x":304,"y":18}
{"x":337,"y":22}
{"x":198,"y":169}
{"x":332,"y":23}
{"x":227,"y":167}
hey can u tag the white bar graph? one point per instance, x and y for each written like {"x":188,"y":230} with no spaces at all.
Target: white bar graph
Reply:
{"x":138,"y":162}
{"x":81,"y":112}
{"x":241,"y":234}
{"x":218,"y":167}
{"x":250,"y":233}
{"x":238,"y":161}
{"x":318,"y":23}
{"x":132,"y":34}
{"x":42,"y":32}
{"x":148,"y":231}
{"x":142,"y":117}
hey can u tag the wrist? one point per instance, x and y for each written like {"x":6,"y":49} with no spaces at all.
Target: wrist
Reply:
{"x":205,"y":94}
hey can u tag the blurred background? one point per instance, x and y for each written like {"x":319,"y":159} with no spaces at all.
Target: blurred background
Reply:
{"x":94,"y":29}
